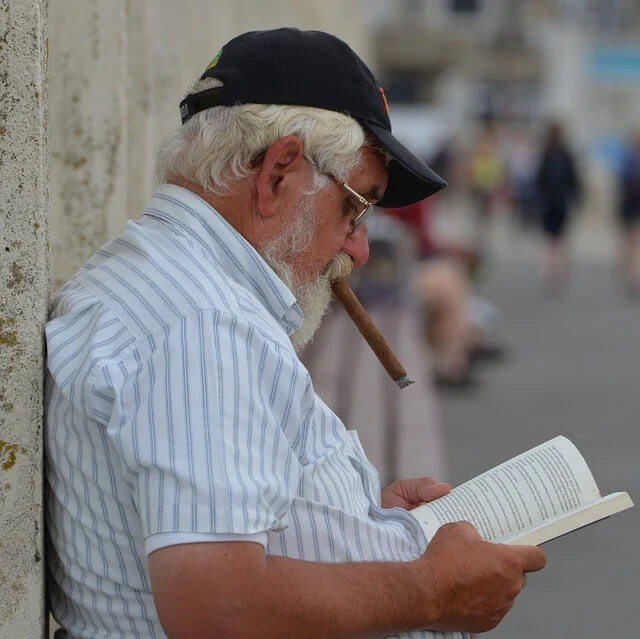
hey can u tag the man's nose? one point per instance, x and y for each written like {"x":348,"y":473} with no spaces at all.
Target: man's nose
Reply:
{"x":356,"y":246}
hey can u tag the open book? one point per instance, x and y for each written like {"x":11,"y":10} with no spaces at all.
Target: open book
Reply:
{"x":539,"y":495}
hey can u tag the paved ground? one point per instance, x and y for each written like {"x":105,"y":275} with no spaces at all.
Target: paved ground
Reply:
{"x":574,"y":371}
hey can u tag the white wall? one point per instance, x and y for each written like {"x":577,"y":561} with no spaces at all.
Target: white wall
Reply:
{"x":24,"y":289}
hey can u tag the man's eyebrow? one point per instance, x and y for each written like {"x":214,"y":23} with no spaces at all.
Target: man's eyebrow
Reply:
{"x":373,"y":194}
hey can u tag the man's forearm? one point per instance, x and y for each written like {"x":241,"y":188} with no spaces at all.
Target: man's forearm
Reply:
{"x":283,"y":597}
{"x":232,"y":589}
{"x":343,"y":600}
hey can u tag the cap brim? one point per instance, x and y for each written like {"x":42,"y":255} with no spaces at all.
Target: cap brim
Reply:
{"x":410,"y":179}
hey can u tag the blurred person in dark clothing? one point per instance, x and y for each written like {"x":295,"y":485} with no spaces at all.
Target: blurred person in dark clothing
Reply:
{"x":629,"y":214}
{"x":558,"y":188}
{"x":521,"y":165}
{"x":442,"y":161}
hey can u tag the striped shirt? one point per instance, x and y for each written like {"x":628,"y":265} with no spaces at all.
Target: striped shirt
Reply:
{"x":177,"y":410}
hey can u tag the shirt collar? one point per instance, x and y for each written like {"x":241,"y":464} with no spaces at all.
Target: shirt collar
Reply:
{"x":191,"y":216}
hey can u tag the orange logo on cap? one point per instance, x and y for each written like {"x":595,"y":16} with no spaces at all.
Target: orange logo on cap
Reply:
{"x":384,"y":100}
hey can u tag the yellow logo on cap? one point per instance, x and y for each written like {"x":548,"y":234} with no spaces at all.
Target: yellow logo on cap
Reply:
{"x":214,"y":61}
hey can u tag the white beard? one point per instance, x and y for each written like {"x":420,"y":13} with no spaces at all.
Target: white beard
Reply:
{"x":312,"y":297}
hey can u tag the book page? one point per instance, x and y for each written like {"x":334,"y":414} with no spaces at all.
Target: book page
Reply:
{"x":562,"y":524}
{"x":544,"y":482}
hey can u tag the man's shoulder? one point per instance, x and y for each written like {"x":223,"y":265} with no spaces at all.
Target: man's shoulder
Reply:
{"x":86,"y":335}
{"x":152,"y":281}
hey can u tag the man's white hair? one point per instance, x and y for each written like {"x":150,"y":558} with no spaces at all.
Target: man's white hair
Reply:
{"x":216,"y":146}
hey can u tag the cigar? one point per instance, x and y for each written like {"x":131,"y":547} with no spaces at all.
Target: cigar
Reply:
{"x":370,"y":332}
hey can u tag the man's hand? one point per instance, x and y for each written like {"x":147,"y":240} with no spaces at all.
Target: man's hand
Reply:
{"x":409,"y":493}
{"x":471,"y":584}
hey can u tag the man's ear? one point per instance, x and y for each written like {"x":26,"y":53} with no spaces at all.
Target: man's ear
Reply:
{"x":281,"y":175}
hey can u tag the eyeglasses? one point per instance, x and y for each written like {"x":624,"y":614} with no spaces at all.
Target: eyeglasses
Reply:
{"x":361,"y":218}
{"x":364,"y":213}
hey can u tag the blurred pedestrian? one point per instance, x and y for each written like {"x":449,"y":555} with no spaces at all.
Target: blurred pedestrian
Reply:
{"x":443,"y":160}
{"x":521,"y":165}
{"x":486,"y":178}
{"x":454,"y":328}
{"x":629,"y":214}
{"x":558,"y":189}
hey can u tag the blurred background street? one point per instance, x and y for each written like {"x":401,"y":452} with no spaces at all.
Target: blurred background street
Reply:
{"x":572,"y":370}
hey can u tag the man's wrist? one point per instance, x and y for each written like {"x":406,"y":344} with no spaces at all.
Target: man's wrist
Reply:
{"x":427,"y":608}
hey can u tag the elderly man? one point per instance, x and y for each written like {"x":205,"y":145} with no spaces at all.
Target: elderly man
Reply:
{"x":197,"y":487}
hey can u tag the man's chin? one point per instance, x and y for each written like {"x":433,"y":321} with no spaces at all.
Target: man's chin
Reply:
{"x":304,"y":335}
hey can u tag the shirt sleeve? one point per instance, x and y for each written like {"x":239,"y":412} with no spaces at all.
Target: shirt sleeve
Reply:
{"x":163,"y":540}
{"x":204,"y":418}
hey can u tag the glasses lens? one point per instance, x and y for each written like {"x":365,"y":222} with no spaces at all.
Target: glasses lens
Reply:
{"x":362,"y":218}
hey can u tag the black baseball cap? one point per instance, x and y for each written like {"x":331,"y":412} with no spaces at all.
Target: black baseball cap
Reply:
{"x":315,"y":69}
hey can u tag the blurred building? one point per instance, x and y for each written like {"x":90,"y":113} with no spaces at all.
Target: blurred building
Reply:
{"x":472,"y":59}
{"x":515,"y":61}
